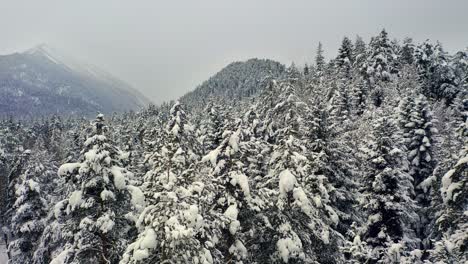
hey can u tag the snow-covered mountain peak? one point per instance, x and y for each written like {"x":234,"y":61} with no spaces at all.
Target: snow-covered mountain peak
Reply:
{"x":43,"y":80}
{"x":47,"y":51}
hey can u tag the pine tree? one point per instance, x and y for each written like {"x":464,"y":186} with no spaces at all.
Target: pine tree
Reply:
{"x":387,"y":200}
{"x":306,"y":70}
{"x":416,"y":124}
{"x":453,"y":220}
{"x":345,"y":59}
{"x":233,"y":208}
{"x":297,"y":198}
{"x":29,"y":211}
{"x":436,"y":74}
{"x":359,"y":53}
{"x":18,"y":167}
{"x":407,"y":51}
{"x":171,"y":226}
{"x":341,"y":105}
{"x":319,"y":61}
{"x":98,"y":210}
{"x":378,"y":65}
{"x":332,"y":159}
{"x":213,"y":127}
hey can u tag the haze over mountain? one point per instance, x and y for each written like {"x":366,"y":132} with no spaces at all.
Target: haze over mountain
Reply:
{"x":43,"y":81}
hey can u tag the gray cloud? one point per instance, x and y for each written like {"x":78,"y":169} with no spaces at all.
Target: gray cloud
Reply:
{"x":166,"y":48}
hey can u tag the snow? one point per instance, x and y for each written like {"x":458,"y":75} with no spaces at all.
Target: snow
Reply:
{"x":286,"y":182}
{"x":138,"y":198}
{"x":426,"y":185}
{"x":96,"y":138}
{"x":325,"y":235}
{"x":119,"y":177}
{"x":3,"y":254}
{"x":333,"y":215}
{"x":302,"y":201}
{"x":58,"y":208}
{"x":105,"y":223}
{"x":241,"y":180}
{"x":68,"y":168}
{"x":289,"y":246}
{"x":231,"y":213}
{"x":212,"y":156}
{"x":107,"y":195}
{"x":462,"y":161}
{"x":238,"y":249}
{"x":175,"y":130}
{"x":60,"y":258}
{"x":193,"y":217}
{"x":234,"y":141}
{"x":74,"y":201}
{"x":394,"y":252}
{"x":447,"y":185}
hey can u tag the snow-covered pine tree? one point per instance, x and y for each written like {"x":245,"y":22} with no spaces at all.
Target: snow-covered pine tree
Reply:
{"x":320,"y":63}
{"x":416,"y":124}
{"x":331,"y":157}
{"x":3,"y":179}
{"x":298,"y":220}
{"x":453,"y":220}
{"x":13,"y":182}
{"x":381,"y":56}
{"x":98,"y":211}
{"x":213,"y":127}
{"x":171,"y":226}
{"x":359,"y":54}
{"x":459,"y":63}
{"x":345,"y":59}
{"x":255,"y":149}
{"x":233,"y":208}
{"x":407,"y":51}
{"x":29,"y":212}
{"x":436,"y":74}
{"x":386,"y":236}
{"x":341,"y":105}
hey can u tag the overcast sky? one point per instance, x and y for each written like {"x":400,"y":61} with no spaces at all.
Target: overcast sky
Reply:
{"x":166,"y":48}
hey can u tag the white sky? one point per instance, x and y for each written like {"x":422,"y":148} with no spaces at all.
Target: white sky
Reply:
{"x":166,"y":48}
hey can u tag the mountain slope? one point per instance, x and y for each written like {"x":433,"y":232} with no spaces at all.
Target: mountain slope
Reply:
{"x":41,"y":81}
{"x":235,"y":81}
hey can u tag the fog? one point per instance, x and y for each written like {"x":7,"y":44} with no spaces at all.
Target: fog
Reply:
{"x":166,"y":48}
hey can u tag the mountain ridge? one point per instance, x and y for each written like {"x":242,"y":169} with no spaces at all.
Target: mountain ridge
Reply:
{"x":42,"y":81}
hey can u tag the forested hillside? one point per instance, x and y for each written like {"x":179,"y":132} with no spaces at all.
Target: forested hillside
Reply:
{"x":358,"y":159}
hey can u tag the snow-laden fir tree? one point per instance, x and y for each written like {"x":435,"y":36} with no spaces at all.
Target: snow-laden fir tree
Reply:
{"x":359,"y":54}
{"x":29,"y":212}
{"x":453,"y":220}
{"x":231,"y":204}
{"x":299,"y":220}
{"x":171,"y":226}
{"x":341,"y":105}
{"x":378,"y":66}
{"x":319,"y":62}
{"x":437,"y":76}
{"x":98,"y":211}
{"x":213,"y":127}
{"x":345,"y":59}
{"x":407,"y":51}
{"x":416,"y":124}
{"x":14,"y":180}
{"x":386,"y":236}
{"x":331,"y":157}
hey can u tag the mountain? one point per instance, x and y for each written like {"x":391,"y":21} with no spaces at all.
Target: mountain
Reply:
{"x":42,"y":81}
{"x":235,"y":81}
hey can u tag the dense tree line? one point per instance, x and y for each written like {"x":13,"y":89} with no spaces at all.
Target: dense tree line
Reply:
{"x":359,"y":159}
